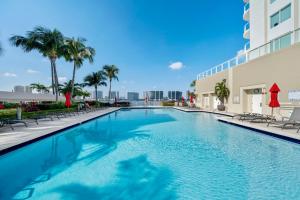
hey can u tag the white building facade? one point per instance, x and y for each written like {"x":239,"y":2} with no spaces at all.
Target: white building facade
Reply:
{"x":270,"y":56}
{"x":270,"y":26}
{"x":268,"y":20}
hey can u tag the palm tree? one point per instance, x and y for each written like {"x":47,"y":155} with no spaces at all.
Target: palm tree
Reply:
{"x":77,"y":52}
{"x":95,"y":79}
{"x":67,"y":87}
{"x":111,"y":72}
{"x":83,"y":94}
{"x":39,"y":87}
{"x":193,"y":84}
{"x":222,"y":93}
{"x":50,"y":43}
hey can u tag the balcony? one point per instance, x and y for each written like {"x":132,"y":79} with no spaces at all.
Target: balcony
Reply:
{"x":247,"y":31}
{"x":246,"y":15}
{"x":247,"y":47}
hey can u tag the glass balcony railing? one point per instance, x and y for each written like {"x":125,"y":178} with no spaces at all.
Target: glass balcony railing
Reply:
{"x":246,"y":7}
{"x":247,"y":46}
{"x":297,"y":35}
{"x":246,"y":27}
{"x":277,"y":44}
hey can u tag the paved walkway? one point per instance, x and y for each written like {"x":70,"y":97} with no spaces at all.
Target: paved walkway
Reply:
{"x":271,"y":130}
{"x":10,"y":138}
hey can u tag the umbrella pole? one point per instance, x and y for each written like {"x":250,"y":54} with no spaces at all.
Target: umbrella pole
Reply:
{"x":272,"y":111}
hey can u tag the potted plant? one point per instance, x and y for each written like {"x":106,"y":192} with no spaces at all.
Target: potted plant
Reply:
{"x":222,"y":93}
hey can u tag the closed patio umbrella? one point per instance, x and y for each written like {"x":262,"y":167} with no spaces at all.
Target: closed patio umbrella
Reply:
{"x":68,"y":102}
{"x":191,"y":99}
{"x":274,"y":103}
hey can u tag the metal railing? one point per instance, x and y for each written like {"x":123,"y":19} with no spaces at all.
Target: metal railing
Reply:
{"x":277,"y":44}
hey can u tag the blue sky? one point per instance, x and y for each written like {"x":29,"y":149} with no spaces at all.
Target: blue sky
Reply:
{"x":142,"y":37}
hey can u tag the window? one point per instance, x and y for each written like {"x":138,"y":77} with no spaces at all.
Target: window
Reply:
{"x":285,"y":13}
{"x":275,"y":20}
{"x":281,"y":43}
{"x":285,"y":41}
{"x":281,"y":16}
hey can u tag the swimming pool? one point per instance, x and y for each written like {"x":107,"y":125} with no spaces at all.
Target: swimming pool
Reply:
{"x":153,"y":154}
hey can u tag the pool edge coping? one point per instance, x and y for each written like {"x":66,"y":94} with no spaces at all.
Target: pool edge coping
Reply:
{"x":260,"y":131}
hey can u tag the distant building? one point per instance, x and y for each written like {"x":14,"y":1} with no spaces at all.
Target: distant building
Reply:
{"x":99,"y":95}
{"x":174,"y":95}
{"x":154,"y":95}
{"x":133,"y":96}
{"x":28,"y":89}
{"x":22,"y":89}
{"x":114,"y":95}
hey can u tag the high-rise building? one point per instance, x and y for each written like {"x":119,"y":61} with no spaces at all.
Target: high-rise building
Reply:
{"x":99,"y":94}
{"x":154,"y":95}
{"x":267,"y":20}
{"x":271,"y":25}
{"x":23,"y":89}
{"x":132,"y":96}
{"x":28,"y":89}
{"x":270,"y":56}
{"x":174,"y":95}
{"x":114,"y":95}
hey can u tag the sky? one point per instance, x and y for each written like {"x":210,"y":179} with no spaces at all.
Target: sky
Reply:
{"x":156,"y":44}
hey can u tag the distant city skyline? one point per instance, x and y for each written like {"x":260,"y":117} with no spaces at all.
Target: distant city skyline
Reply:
{"x":158,"y":45}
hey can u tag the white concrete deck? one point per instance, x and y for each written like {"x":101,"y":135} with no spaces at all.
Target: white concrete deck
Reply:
{"x":187,"y":109}
{"x":271,"y":130}
{"x":10,"y":138}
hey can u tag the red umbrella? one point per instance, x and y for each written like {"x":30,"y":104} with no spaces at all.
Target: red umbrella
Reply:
{"x":68,"y":102}
{"x":274,"y":103}
{"x":191,"y":99}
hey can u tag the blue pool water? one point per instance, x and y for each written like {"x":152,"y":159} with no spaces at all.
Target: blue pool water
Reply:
{"x":153,"y":154}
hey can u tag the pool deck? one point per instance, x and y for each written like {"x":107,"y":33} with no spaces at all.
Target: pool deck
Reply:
{"x":187,"y":109}
{"x":286,"y":134}
{"x":13,"y":139}
{"x":226,"y":117}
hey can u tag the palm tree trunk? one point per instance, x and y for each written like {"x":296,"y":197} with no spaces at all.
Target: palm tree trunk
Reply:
{"x":73,"y":80}
{"x":109,"y":93}
{"x":56,"y":80}
{"x":96,"y":93}
{"x":52,"y":77}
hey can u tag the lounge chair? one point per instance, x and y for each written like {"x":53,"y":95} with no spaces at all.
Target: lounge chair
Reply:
{"x":11,"y":122}
{"x":262,"y":119}
{"x":247,"y":116}
{"x":36,"y":118}
{"x":293,"y":121}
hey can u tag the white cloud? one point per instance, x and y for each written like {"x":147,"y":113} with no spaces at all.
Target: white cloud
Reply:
{"x":62,"y":79}
{"x":31,"y":71}
{"x":176,"y":65}
{"x":8,"y":74}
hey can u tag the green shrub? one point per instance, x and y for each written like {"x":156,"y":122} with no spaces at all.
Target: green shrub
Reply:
{"x":51,"y":106}
{"x":168,"y":103}
{"x":10,"y":105}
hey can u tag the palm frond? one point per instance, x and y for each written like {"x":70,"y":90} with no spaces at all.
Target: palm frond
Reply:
{"x":111,"y":72}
